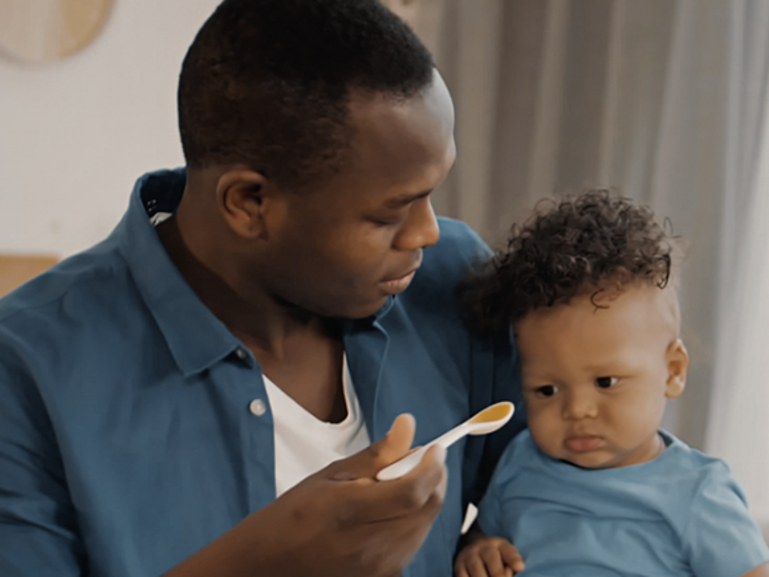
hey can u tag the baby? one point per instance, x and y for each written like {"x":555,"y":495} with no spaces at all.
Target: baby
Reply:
{"x":595,"y":487}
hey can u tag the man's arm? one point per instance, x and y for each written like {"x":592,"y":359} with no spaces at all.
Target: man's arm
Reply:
{"x":39,"y":533}
{"x":339,"y":522}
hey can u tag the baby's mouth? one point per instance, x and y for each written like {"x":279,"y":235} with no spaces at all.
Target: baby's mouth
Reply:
{"x":583,"y":443}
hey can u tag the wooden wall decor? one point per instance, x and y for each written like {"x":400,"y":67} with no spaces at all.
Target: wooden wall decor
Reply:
{"x":15,"y":270}
{"x":40,"y":31}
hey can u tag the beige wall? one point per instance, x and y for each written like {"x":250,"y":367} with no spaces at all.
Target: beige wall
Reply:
{"x":75,"y":134}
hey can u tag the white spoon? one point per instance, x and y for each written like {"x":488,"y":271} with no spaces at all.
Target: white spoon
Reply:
{"x":486,"y":421}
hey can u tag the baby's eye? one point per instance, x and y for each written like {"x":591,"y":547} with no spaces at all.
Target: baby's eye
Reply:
{"x":606,"y":382}
{"x":546,"y":391}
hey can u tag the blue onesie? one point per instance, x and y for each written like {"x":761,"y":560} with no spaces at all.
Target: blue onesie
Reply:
{"x":681,"y":514}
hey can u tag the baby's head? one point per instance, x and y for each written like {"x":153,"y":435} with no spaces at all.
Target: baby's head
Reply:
{"x":589,"y":288}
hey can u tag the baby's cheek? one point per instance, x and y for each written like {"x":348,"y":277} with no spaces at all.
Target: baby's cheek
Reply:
{"x":545,"y":431}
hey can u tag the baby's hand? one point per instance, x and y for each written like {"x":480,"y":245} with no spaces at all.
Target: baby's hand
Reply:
{"x":488,"y":557}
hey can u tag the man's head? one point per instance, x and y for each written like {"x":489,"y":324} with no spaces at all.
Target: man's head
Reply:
{"x":587,"y":287}
{"x":267,"y":83}
{"x":314,"y":131}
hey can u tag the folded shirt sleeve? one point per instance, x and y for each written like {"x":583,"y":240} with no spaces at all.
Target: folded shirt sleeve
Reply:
{"x":721,"y":538}
{"x":38,"y":525}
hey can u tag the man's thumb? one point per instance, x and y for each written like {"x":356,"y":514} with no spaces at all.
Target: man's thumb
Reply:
{"x":395,"y":445}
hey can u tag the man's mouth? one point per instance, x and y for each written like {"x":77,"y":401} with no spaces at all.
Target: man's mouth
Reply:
{"x":398,"y":285}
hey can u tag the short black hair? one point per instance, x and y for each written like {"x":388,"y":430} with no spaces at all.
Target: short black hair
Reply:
{"x":267,"y":82}
{"x":579,"y":245}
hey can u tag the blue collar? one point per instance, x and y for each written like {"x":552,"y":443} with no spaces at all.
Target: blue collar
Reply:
{"x":196,"y":337}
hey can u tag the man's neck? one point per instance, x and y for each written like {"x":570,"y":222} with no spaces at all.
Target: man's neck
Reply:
{"x":256,"y":318}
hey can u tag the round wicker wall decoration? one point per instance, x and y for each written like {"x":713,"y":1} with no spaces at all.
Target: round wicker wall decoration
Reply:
{"x":40,"y":31}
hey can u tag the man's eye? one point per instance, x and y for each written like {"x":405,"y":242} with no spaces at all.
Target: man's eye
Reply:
{"x":390,"y":220}
{"x":606,"y":382}
{"x":384,"y":221}
{"x":546,"y":391}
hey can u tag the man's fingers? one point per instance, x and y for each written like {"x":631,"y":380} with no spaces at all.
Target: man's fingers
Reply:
{"x":413,"y":528}
{"x":424,"y":484}
{"x":417,"y":494}
{"x":431,"y":471}
{"x":367,"y":463}
{"x":422,"y":489}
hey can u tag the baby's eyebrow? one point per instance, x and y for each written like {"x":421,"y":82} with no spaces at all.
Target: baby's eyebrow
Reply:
{"x":538,"y":385}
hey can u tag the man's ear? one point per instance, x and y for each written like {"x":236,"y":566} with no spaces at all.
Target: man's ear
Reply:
{"x":243,"y":195}
{"x":677,"y":360}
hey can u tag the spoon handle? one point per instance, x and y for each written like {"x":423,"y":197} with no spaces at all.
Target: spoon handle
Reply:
{"x":407,"y":463}
{"x":450,"y":437}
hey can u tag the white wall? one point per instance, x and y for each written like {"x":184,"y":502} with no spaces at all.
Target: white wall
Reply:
{"x":75,"y":134}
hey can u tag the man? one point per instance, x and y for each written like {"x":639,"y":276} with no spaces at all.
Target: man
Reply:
{"x":254,"y":323}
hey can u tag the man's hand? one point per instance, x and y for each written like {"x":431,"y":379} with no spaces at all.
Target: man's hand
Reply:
{"x":487,"y":557}
{"x":339,"y":522}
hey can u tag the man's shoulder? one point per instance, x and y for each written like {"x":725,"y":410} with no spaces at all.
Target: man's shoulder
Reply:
{"x":449,"y":261}
{"x":72,"y":289}
{"x":458,"y":245}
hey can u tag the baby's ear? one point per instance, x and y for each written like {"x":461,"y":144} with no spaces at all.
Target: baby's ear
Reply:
{"x":677,"y":360}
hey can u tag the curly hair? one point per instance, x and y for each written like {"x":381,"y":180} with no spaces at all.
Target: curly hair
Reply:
{"x":580,"y":245}
{"x":267,"y":83}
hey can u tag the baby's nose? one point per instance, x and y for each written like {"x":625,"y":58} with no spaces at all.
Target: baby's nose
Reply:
{"x":579,"y":406}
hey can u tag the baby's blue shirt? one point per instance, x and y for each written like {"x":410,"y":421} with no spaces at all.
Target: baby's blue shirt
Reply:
{"x":682,"y":514}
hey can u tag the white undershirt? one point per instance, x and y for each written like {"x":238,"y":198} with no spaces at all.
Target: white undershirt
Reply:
{"x":303,"y":443}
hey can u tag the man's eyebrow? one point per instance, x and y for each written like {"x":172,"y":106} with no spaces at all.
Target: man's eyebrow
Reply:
{"x":405,"y":199}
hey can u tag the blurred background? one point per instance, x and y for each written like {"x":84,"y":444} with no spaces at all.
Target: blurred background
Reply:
{"x":664,"y":100}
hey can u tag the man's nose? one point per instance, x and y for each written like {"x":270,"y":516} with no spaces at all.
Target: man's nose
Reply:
{"x":421,"y":229}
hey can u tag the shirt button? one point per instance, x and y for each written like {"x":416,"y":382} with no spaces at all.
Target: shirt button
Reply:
{"x":257,"y":407}
{"x":240,"y":353}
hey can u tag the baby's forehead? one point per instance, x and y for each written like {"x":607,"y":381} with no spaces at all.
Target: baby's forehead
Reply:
{"x":655,"y":303}
{"x":660,"y":300}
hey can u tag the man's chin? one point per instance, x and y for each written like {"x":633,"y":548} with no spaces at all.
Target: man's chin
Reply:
{"x":350,"y":311}
{"x":364,"y":311}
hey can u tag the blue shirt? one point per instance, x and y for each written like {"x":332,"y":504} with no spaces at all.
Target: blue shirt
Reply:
{"x":126,"y":440}
{"x":680,"y":515}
